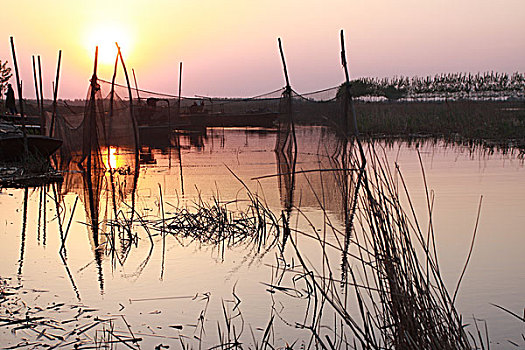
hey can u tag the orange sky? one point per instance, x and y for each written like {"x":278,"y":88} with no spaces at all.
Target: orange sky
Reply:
{"x":229,"y":48}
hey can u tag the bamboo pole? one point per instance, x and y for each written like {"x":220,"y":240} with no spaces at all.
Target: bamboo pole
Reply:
{"x":89,"y":172}
{"x":347,"y":90}
{"x":37,"y":94}
{"x":55,"y":94}
{"x":288,"y":92}
{"x":136,"y":133}
{"x":284,"y":63}
{"x":20,"y":99}
{"x":289,"y":157}
{"x":169,"y":132}
{"x":136,"y":85}
{"x":180,"y":89}
{"x":134,"y":122}
{"x":178,"y":136}
{"x":41,"y":107}
{"x":350,"y":214}
{"x":111,"y":99}
{"x":93,"y":106}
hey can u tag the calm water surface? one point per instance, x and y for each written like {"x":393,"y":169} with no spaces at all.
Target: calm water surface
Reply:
{"x":174,"y":282}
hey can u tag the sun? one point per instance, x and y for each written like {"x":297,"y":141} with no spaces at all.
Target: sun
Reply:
{"x":104,"y":36}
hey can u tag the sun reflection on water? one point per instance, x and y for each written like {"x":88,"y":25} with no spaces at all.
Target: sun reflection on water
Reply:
{"x":111,"y":157}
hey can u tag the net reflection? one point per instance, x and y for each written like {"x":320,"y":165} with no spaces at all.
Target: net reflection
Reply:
{"x":103,"y":181}
{"x":316,"y":174}
{"x":322,"y":176}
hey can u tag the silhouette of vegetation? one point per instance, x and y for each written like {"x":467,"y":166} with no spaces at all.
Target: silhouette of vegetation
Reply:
{"x":366,"y":87}
{"x":5,"y":75}
{"x":446,"y":85}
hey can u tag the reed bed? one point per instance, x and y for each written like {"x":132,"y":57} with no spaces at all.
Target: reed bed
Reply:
{"x":390,"y":293}
{"x":446,"y":85}
{"x":494,"y":124}
{"x":489,"y":123}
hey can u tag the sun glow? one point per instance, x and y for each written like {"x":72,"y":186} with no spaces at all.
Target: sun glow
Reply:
{"x":105,"y":36}
{"x":111,"y":160}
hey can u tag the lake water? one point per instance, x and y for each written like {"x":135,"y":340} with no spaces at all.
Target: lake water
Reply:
{"x":180,"y":286}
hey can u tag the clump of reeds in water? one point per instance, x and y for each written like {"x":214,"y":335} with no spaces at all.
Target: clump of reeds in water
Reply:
{"x":390,"y":293}
{"x":217,"y":223}
{"x":223,"y":222}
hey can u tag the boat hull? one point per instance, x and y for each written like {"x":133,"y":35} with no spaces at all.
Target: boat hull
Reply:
{"x":12,"y":146}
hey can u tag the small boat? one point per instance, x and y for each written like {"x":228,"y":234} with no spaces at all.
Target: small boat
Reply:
{"x":12,"y":143}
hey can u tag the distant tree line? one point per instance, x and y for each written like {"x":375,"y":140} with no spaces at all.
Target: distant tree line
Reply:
{"x":454,"y":85}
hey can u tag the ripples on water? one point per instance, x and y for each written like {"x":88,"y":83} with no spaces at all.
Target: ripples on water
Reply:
{"x":182,"y":285}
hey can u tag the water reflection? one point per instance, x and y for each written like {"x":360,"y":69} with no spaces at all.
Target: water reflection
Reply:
{"x":23,"y":235}
{"x":103,"y":180}
{"x":317,"y":175}
{"x":106,"y":181}
{"x":117,"y":190}
{"x":42,"y":215}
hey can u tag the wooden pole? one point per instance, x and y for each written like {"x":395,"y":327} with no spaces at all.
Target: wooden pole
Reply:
{"x":343,"y":56}
{"x":284,"y":63}
{"x":178,"y":136}
{"x":169,"y":132}
{"x":41,"y":107}
{"x":180,"y":89}
{"x":112,"y":94}
{"x":288,"y":93}
{"x":88,"y":174}
{"x":347,"y":90}
{"x":55,"y":94}
{"x":169,"y":115}
{"x":349,"y":211}
{"x":19,"y":89}
{"x":111,"y":100}
{"x":136,"y":85}
{"x":37,"y":94}
{"x":136,"y":132}
{"x":93,"y":110}
{"x":134,"y":122}
{"x":349,"y":215}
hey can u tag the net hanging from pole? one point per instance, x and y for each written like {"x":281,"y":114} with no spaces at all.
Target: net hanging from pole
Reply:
{"x":97,"y":154}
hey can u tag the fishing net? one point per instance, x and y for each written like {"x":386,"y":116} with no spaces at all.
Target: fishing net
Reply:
{"x":97,"y":137}
{"x":103,"y":121}
{"x":99,"y":154}
{"x":327,"y":107}
{"x":102,"y":136}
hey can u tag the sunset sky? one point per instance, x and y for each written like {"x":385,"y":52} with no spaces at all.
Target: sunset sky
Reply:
{"x":229,"y":48}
